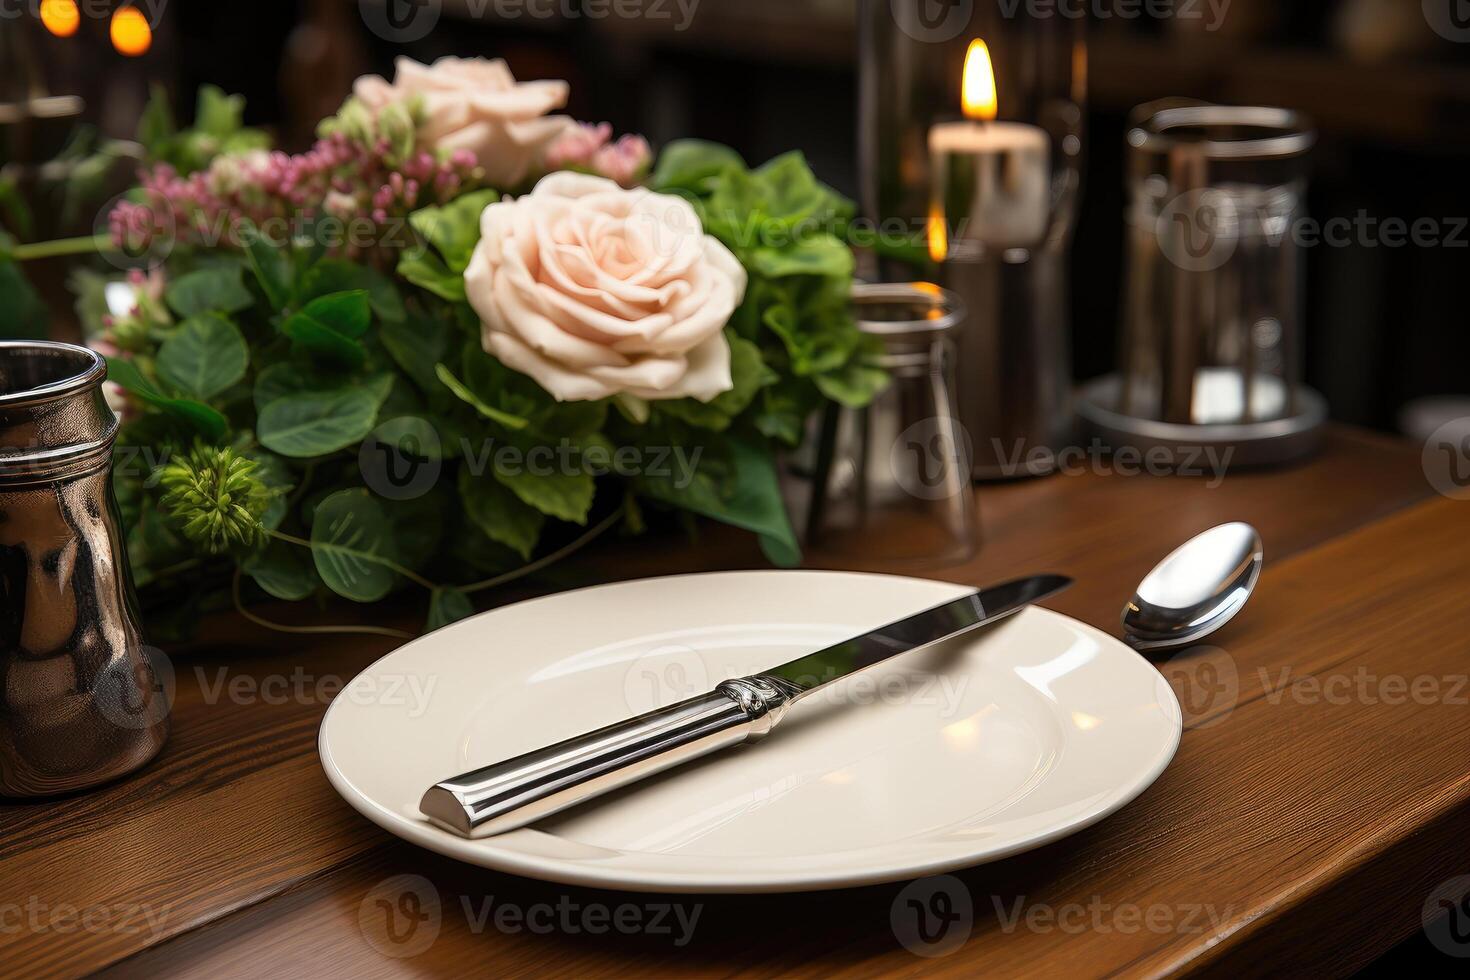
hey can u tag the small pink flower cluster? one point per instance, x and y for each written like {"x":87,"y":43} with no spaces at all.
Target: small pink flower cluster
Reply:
{"x":591,"y":148}
{"x":361,"y":187}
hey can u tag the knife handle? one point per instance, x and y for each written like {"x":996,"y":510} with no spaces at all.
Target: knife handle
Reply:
{"x":516,"y":792}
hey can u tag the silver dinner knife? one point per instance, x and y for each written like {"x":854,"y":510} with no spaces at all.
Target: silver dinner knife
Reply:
{"x":519,"y":791}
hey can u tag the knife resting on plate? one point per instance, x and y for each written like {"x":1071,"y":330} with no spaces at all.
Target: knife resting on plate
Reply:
{"x":519,"y":791}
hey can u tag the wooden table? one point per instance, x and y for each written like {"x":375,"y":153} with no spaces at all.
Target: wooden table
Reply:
{"x":1311,"y":810}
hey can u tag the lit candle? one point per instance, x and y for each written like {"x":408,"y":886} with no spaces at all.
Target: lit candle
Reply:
{"x":991,"y":180}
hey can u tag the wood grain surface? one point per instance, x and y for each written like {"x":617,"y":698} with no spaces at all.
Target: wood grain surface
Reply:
{"x":1317,"y":799}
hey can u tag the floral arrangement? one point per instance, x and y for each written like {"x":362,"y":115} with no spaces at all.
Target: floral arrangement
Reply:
{"x":562,"y":332}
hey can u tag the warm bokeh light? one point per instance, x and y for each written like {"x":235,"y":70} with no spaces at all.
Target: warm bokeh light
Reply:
{"x":977,"y":91}
{"x":131,"y":34}
{"x":938,"y":235}
{"x":60,"y":17}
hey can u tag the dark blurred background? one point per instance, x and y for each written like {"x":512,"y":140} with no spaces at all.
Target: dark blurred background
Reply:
{"x":1390,"y":94}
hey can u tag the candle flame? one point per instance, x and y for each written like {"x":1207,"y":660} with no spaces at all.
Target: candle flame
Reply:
{"x":938,"y":234}
{"x":60,"y":17}
{"x":130,"y":32}
{"x":977,"y":91}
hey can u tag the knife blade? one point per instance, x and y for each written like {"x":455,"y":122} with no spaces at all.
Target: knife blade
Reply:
{"x":519,"y":791}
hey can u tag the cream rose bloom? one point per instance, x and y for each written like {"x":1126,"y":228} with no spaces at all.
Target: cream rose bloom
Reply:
{"x":595,"y":290}
{"x":476,"y":105}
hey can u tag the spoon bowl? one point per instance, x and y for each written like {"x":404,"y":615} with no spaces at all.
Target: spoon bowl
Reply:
{"x":1196,"y":590}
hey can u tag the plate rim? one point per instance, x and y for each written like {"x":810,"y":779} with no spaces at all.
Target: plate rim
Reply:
{"x":674,"y":881}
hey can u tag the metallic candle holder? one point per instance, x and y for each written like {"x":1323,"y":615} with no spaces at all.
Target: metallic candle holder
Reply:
{"x":1211,"y":353}
{"x":79,"y":701}
{"x":972,"y":140}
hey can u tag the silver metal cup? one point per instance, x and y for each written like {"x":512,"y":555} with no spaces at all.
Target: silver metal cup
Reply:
{"x":81,"y":701}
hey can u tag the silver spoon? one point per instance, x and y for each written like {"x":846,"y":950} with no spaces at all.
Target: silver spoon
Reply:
{"x":1194,"y":591}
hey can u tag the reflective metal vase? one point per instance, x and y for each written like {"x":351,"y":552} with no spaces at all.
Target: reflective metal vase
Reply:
{"x":80,"y":702}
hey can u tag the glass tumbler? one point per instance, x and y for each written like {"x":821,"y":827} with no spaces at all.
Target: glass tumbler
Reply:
{"x":891,"y":481}
{"x":1212,"y":307}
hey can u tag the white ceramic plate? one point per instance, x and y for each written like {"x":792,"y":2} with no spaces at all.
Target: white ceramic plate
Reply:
{"x":947,"y":757}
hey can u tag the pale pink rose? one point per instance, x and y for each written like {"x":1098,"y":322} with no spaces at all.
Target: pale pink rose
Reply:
{"x":625,"y":161}
{"x":476,"y":105}
{"x":590,"y":147}
{"x":578,"y":145}
{"x":594,"y":290}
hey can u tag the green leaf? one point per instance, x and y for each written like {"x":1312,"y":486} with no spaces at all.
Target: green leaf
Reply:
{"x":22,"y":314}
{"x":819,"y":255}
{"x":328,"y":326}
{"x":464,"y":394}
{"x":205,"y":357}
{"x":205,"y":420}
{"x":216,"y":289}
{"x":794,"y":196}
{"x":314,"y":423}
{"x":322,"y":343}
{"x":156,"y":125}
{"x":351,"y":544}
{"x":562,"y":492}
{"x":216,"y":113}
{"x":272,"y":269}
{"x":422,"y":268}
{"x":753,"y":501}
{"x":783,"y":411}
{"x":454,"y":228}
{"x":411,"y":436}
{"x":448,"y":606}
{"x":348,"y":313}
{"x":272,"y":470}
{"x":280,"y":380}
{"x":332,"y":275}
{"x":282,"y":571}
{"x":686,"y":164}
{"x":15,"y":213}
{"x":854,"y":385}
{"x":418,"y":346}
{"x":498,"y":512}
